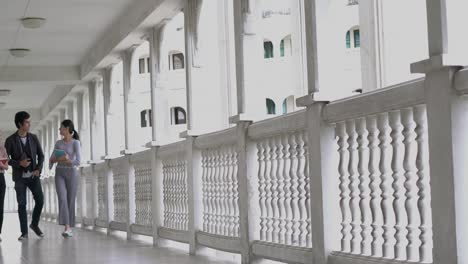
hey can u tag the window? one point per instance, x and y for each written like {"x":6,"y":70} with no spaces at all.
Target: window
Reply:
{"x":348,"y":40}
{"x":141,"y":65}
{"x":357,"y":38}
{"x":144,"y":65}
{"x":176,"y":61}
{"x":288,"y":104}
{"x":268,"y":49}
{"x":353,"y":2}
{"x":145,"y":118}
{"x":271,"y":107}
{"x":353,"y":38}
{"x":285,"y":47}
{"x":178,"y":116}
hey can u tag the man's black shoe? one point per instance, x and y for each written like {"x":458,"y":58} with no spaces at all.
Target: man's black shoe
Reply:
{"x":23,"y":237}
{"x":36,"y":230}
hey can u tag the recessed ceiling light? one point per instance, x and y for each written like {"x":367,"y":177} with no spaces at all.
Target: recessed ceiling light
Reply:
{"x":33,"y":22}
{"x":19,"y":52}
{"x":4,"y":92}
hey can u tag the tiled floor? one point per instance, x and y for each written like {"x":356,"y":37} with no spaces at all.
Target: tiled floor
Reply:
{"x":85,"y":247}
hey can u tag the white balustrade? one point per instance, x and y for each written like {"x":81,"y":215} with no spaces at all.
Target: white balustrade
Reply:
{"x":283,"y":187}
{"x":120,"y":193}
{"x":143,"y":189}
{"x":384,"y":185}
{"x":175,"y":189}
{"x":101,"y":174}
{"x":220,"y":191}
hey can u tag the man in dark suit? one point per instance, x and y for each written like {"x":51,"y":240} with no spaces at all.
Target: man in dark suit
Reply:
{"x":26,"y":159}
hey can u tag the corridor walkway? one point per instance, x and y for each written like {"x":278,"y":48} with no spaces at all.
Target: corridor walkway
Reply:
{"x":86,"y":247}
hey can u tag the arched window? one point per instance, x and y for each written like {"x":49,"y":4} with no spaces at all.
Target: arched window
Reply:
{"x":353,"y":38}
{"x":176,"y":60}
{"x":286,"y":46}
{"x":145,"y":118}
{"x":271,"y":107}
{"x":288,"y":104}
{"x":178,"y":116}
{"x":268,"y":49}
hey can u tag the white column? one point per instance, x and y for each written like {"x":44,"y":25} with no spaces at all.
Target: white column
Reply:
{"x":157,"y":94}
{"x":241,"y":10}
{"x":107,"y":98}
{"x":437,"y":27}
{"x":92,"y":117}
{"x":127,"y":58}
{"x":370,"y":26}
{"x":309,"y":33}
{"x":189,"y":42}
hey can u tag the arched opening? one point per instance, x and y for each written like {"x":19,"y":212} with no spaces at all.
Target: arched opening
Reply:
{"x":288,"y":104}
{"x":271,"y":107}
{"x":145,"y":118}
{"x":353,"y":38}
{"x":286,"y":47}
{"x":176,"y":60}
{"x":267,"y":49}
{"x":178,"y":116}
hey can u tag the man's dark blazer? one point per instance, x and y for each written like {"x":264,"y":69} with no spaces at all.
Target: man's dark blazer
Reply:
{"x":14,"y":150}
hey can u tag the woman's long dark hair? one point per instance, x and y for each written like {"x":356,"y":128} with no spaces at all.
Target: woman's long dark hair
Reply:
{"x":71,"y":128}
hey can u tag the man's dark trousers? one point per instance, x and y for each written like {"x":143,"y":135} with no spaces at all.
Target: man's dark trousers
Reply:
{"x":21,"y":187}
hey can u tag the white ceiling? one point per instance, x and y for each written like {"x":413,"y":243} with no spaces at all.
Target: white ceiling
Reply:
{"x":71,"y":30}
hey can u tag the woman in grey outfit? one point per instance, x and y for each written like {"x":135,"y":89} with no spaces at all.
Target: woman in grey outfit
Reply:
{"x":66,"y":177}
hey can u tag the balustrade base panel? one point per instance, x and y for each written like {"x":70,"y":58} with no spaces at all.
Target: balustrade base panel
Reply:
{"x":218,"y":242}
{"x":88,"y":221}
{"x":283,"y":253}
{"x":102,"y":224}
{"x":175,"y":235}
{"x":118,"y":226}
{"x":346,"y":258}
{"x":141,"y":230}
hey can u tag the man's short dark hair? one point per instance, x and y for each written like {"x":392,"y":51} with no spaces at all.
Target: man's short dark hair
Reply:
{"x":20,"y":117}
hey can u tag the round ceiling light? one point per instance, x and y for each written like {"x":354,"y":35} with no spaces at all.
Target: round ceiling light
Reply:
{"x":33,"y":22}
{"x":19,"y":52}
{"x":4,"y":92}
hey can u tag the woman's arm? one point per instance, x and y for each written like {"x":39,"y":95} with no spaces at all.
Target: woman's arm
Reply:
{"x":77,"y":150}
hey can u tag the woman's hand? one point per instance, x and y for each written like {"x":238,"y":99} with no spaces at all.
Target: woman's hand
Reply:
{"x":65,"y":160}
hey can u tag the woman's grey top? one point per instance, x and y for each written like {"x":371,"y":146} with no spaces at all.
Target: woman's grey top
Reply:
{"x":73,"y":149}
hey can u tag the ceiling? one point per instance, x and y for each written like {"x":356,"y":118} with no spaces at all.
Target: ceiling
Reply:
{"x":72,"y":28}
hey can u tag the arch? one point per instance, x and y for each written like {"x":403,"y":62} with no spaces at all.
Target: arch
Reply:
{"x":178,"y":115}
{"x":353,"y":38}
{"x":286,"y":46}
{"x":267,"y":49}
{"x":270,"y":106}
{"x":176,"y":60}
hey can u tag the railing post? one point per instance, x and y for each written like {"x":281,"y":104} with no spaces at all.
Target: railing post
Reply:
{"x":157,"y":194}
{"x":323,"y":183}
{"x":244,"y":192}
{"x":130,"y":197}
{"x":194,"y":184}
{"x":84,"y":204}
{"x":109,"y":195}
{"x":446,"y":165}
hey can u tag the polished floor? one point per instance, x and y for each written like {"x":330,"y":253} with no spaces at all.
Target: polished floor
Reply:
{"x":85,"y":247}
